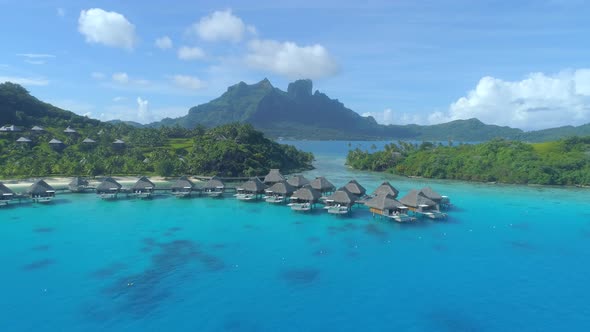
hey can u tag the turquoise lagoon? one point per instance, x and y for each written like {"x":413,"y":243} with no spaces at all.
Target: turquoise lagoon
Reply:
{"x":509,"y":258}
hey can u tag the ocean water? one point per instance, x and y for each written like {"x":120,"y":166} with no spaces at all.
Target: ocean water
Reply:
{"x":509,"y":258}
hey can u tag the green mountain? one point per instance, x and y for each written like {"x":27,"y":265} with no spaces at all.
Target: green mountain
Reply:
{"x":553,"y":134}
{"x":299,"y":113}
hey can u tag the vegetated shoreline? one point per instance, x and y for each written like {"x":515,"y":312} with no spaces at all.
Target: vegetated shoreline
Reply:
{"x":563,"y":163}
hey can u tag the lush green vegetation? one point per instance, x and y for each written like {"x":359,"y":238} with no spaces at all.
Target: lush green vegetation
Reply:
{"x":229,"y":150}
{"x":564,"y":162}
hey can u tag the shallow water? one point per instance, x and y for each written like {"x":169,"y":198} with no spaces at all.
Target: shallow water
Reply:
{"x":509,"y":258}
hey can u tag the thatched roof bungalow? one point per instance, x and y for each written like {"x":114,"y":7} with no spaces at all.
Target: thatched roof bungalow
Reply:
{"x":88,"y":140}
{"x":78,"y":184}
{"x":386,"y":189}
{"x":298,"y":181}
{"x":23,"y":140}
{"x":341,"y":197}
{"x":355,"y":188}
{"x":41,"y":192}
{"x":273,"y":177}
{"x":6,"y":194}
{"x":70,"y":131}
{"x":251,"y":190}
{"x":322,"y":185}
{"x":143,"y":188}
{"x":278,"y":192}
{"x":416,"y":201}
{"x":385,"y":204}
{"x":183,"y":187}
{"x":306,"y":194}
{"x":108,"y":188}
{"x":37,"y":129}
{"x":214,"y":187}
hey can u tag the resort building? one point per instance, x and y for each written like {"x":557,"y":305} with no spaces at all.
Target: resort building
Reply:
{"x":56,"y":144}
{"x":41,"y":192}
{"x":108,"y":188}
{"x":37,"y":130}
{"x":251,"y":190}
{"x":183,"y":187}
{"x":273,"y":177}
{"x":10,"y":128}
{"x":442,"y":201}
{"x":279,"y":192}
{"x":386,"y":205}
{"x":322,"y":185}
{"x":70,"y":131}
{"x":143,"y":188}
{"x":214,"y":187}
{"x":6,"y":194}
{"x":118,"y":144}
{"x":298,"y":181}
{"x":421,"y":205}
{"x":78,"y":185}
{"x":88,"y":141}
{"x":24,"y":141}
{"x":303,"y":199}
{"x":340,"y":202}
{"x":355,"y":188}
{"x":386,"y":189}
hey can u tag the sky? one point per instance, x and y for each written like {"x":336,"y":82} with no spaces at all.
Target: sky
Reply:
{"x":523,"y":64}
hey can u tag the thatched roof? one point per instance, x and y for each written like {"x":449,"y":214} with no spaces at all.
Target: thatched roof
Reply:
{"x":77,"y":182}
{"x":430,"y":193}
{"x":274,"y":176}
{"x":322,"y":184}
{"x":55,"y":141}
{"x":415,"y":198}
{"x":384,"y":202}
{"x":298,"y":181}
{"x":355,"y":188}
{"x":119,"y":141}
{"x":40,"y":187}
{"x":88,"y":140}
{"x":214,"y":183}
{"x":69,"y":130}
{"x":254,"y":185}
{"x":108,"y":184}
{"x":183,"y":183}
{"x":23,"y":140}
{"x":307,"y":194}
{"x":342,"y":196}
{"x":386,"y":189}
{"x":143,"y":184}
{"x":37,"y":128}
{"x":4,"y":190}
{"x":283,"y":188}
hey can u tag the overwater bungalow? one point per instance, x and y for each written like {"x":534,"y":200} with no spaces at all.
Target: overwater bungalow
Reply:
{"x":108,"y":188}
{"x":41,"y":192}
{"x":143,"y":188}
{"x":6,"y":194}
{"x":183,"y":187}
{"x":214,"y":187}
{"x":386,"y":189}
{"x":442,"y":201}
{"x":340,"y":202}
{"x":322,"y":185}
{"x":303,"y":199}
{"x":298,"y":181}
{"x":355,"y":188}
{"x":421,"y":205}
{"x":279,"y":192}
{"x":252,"y":189}
{"x":78,"y":185}
{"x":273,"y":177}
{"x":386,"y":205}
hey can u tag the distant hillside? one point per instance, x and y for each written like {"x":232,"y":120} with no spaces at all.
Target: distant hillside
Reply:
{"x":301,"y":114}
{"x":553,"y":134}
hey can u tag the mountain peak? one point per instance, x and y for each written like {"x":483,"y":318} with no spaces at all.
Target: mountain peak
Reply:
{"x":300,"y":88}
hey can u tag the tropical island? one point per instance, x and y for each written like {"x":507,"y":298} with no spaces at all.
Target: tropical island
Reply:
{"x":38,"y":139}
{"x":562,"y":162}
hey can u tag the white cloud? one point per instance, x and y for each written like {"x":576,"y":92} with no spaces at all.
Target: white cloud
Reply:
{"x":143,"y":111}
{"x":122,"y":78}
{"x":190,"y":53}
{"x":388,"y":116}
{"x":61,"y":12}
{"x":33,"y":81}
{"x":290,"y":60}
{"x":36,"y":55}
{"x":118,"y":99}
{"x":536,"y":102}
{"x":188,"y":82}
{"x":163,"y":43}
{"x":221,"y":25}
{"x":97,"y":75}
{"x":107,"y":28}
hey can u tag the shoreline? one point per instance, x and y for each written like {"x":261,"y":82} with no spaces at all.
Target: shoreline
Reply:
{"x":62,"y":182}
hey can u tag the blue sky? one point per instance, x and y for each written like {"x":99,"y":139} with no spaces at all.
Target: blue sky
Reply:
{"x":523,"y":64}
